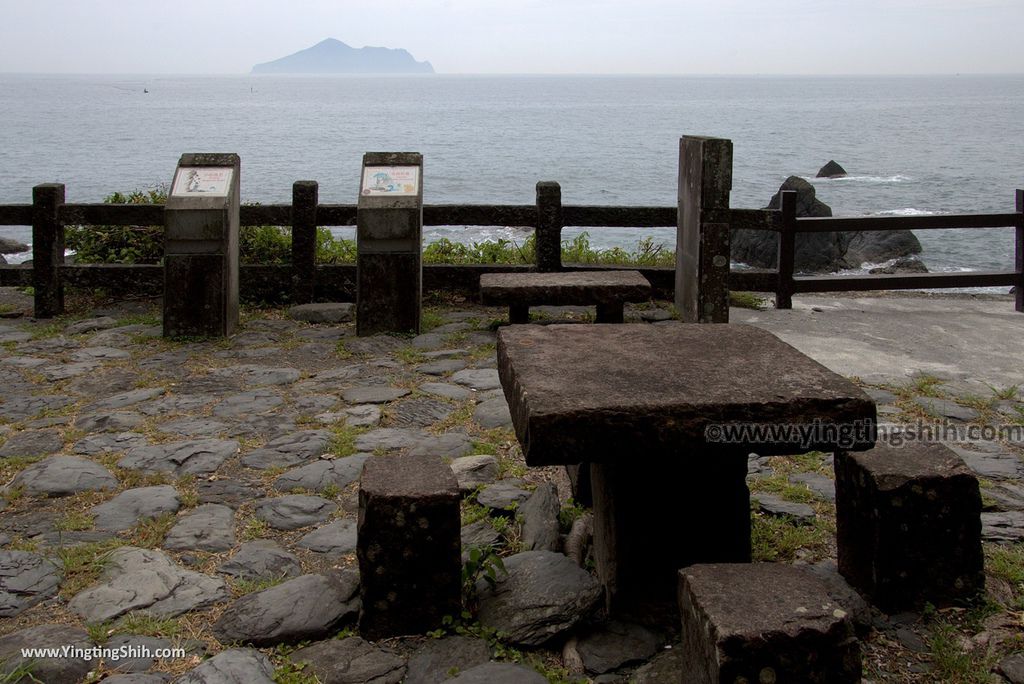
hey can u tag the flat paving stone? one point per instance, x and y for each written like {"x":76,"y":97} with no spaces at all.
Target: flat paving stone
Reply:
{"x":389,"y":439}
{"x":373,"y":395}
{"x":294,"y":511}
{"x":289,"y":450}
{"x":259,"y":375}
{"x":498,"y":673}
{"x":25,"y":580}
{"x":503,"y":495}
{"x":108,"y":442}
{"x":65,"y":371}
{"x":127,"y":508}
{"x":233,"y":666}
{"x":143,"y":579}
{"x":314,"y":403}
{"x":351,"y":660}
{"x":133,"y":643}
{"x":477,"y":534}
{"x":447,"y":445}
{"x":32,"y":443}
{"x":944,"y":408}
{"x":323,"y":312}
{"x":493,"y":413}
{"x":821,"y":485}
{"x":307,"y":607}
{"x":209,"y":527}
{"x":446,"y":390}
{"x":433,"y":662}
{"x":262,"y":559}
{"x":56,"y":670}
{"x":315,"y":477}
{"x":63,"y":476}
{"x":118,"y":421}
{"x":228,"y":492}
{"x":362,"y":416}
{"x":28,"y":362}
{"x":90,"y":325}
{"x":777,"y":506}
{"x":1005,"y":527}
{"x":245,"y":403}
{"x":616,"y":644}
{"x":1001,"y":465}
{"x":20,"y":408}
{"x":473,"y":471}
{"x":193,"y":457}
{"x":129,"y":398}
{"x":101,"y":354}
{"x":441,"y":366}
{"x":176,"y":404}
{"x":194,"y":427}
{"x":419,"y":412}
{"x":477,"y":378}
{"x":333,"y":539}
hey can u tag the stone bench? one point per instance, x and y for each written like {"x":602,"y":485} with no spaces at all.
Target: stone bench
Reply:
{"x":763,"y":622}
{"x":409,"y":545}
{"x":609,"y":290}
{"x":909,"y":526}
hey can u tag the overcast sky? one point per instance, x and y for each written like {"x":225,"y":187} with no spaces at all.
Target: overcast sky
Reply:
{"x":522,"y":36}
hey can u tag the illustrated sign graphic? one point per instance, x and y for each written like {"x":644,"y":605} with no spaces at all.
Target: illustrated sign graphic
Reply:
{"x":210,"y":181}
{"x":391,"y":180}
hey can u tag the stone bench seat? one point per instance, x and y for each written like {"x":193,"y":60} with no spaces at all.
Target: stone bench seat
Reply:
{"x":609,"y":290}
{"x":908,"y":526}
{"x":763,"y":622}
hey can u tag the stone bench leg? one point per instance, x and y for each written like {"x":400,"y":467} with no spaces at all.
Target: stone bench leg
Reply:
{"x":579,"y":483}
{"x":908,"y":526}
{"x":610,"y":313}
{"x":763,"y":622}
{"x":518,"y":313}
{"x":652,"y":519}
{"x":409,"y":545}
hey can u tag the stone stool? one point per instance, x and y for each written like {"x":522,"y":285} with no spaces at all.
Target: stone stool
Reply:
{"x":409,"y":545}
{"x":909,"y":526}
{"x":763,"y":622}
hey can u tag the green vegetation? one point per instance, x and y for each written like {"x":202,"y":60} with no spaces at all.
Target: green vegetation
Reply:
{"x":294,"y":673}
{"x":149,"y":533}
{"x":777,"y":539}
{"x":952,"y":663}
{"x":83,"y":564}
{"x":343,"y":440}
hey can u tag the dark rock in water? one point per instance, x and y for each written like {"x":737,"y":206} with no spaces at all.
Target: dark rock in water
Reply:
{"x":901,"y":265}
{"x":831,"y":170}
{"x":9,"y":246}
{"x":820,"y":252}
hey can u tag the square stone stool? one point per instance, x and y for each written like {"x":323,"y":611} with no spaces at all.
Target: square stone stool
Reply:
{"x":909,"y":526}
{"x":763,"y":622}
{"x":409,"y":545}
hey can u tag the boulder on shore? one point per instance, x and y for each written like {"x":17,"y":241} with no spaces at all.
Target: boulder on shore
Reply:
{"x":820,"y":252}
{"x":831,"y":170}
{"x":901,"y":265}
{"x":10,"y":246}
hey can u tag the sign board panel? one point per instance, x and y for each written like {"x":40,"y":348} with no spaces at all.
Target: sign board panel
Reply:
{"x":204,"y":181}
{"x":391,"y":180}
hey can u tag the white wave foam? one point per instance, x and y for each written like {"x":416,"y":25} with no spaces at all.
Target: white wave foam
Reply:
{"x":906,"y":211}
{"x":898,"y":178}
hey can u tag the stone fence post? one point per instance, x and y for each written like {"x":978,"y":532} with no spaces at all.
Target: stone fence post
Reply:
{"x":47,"y":249}
{"x":548,"y":238}
{"x":1019,"y":259}
{"x":305,"y":197}
{"x":702,"y":233}
{"x":786,"y":251}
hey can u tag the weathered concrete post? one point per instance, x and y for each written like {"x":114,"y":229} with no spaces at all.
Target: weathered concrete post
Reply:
{"x":305,"y":197}
{"x":702,"y":234}
{"x":389,"y":243}
{"x":1019,"y":259}
{"x":201,"y":247}
{"x":787,"y":251}
{"x":47,"y":250}
{"x":548,"y":238}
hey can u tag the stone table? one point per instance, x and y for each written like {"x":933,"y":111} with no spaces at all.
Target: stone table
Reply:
{"x":651,"y":408}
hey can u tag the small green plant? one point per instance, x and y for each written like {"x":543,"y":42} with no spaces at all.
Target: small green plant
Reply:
{"x":330,"y":491}
{"x":241,"y":587}
{"x":289,"y":672}
{"x":569,"y":513}
{"x":747,"y":300}
{"x":482,"y":562}
{"x":22,"y":674}
{"x":409,"y":355}
{"x":343,"y":440}
{"x":430,"y":319}
{"x":147,"y":624}
{"x":254,"y":528}
{"x":74,"y":521}
{"x":472,"y":511}
{"x":777,"y":539}
{"x":83,"y":564}
{"x":951,"y":663}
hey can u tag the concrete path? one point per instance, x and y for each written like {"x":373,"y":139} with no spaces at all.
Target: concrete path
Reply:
{"x":888,"y":339}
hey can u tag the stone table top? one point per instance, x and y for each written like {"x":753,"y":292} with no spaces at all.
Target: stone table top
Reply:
{"x":607,"y":392}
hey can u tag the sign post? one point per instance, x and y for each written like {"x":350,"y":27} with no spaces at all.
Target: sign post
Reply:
{"x":389,"y":240}
{"x":201,"y":247}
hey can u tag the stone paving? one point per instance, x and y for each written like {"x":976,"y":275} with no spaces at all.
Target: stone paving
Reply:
{"x":202,"y":495}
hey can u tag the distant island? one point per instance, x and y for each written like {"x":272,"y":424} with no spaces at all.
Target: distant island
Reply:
{"x":335,"y":57}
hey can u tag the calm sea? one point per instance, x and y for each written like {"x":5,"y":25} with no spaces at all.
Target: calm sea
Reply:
{"x":912,"y":145}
